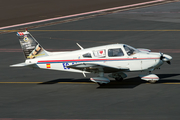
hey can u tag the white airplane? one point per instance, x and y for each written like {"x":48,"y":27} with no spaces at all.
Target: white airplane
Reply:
{"x":114,"y":59}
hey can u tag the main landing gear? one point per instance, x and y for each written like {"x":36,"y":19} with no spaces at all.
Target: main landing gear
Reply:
{"x":118,"y":76}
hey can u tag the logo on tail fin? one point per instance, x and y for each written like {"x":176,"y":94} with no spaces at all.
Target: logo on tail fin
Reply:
{"x":31,"y":48}
{"x":25,"y":38}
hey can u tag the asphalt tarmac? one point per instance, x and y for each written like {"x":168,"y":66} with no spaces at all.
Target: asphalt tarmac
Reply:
{"x":21,"y":11}
{"x":43,"y":94}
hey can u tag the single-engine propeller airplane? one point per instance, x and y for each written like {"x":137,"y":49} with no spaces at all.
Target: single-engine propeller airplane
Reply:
{"x":115,"y":59}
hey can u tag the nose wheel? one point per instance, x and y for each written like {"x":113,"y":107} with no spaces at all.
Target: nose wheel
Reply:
{"x":152,"y":78}
{"x":101,"y":84}
{"x":152,"y":81}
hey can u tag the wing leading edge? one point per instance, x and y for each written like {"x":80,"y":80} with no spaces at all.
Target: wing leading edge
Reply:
{"x":89,"y":67}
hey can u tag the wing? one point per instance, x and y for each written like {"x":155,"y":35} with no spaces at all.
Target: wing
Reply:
{"x":90,"y":67}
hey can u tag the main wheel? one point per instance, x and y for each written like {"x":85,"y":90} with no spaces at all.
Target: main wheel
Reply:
{"x":119,"y":79}
{"x":152,"y":81}
{"x":101,"y":84}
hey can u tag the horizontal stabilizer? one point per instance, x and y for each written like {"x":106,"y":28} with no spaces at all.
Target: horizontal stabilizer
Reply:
{"x":22,"y":65}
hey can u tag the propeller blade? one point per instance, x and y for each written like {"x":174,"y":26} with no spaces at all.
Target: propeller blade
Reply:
{"x":169,"y":62}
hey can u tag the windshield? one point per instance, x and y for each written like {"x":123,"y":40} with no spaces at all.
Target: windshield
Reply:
{"x":130,"y":50}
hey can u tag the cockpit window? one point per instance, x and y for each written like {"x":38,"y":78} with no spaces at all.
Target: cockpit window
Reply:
{"x":87,"y":55}
{"x":130,"y":50}
{"x":115,"y":52}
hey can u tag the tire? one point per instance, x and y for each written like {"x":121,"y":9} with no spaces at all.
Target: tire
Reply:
{"x":102,"y":84}
{"x":119,"y":79}
{"x":152,"y":81}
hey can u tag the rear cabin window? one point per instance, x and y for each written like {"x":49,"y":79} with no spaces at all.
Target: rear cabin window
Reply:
{"x":87,"y":55}
{"x":117,"y":52}
{"x":99,"y":53}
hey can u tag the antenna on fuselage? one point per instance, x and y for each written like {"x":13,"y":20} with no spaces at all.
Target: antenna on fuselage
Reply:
{"x":80,"y":46}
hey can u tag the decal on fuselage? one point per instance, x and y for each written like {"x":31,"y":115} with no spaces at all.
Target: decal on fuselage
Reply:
{"x":66,"y":64}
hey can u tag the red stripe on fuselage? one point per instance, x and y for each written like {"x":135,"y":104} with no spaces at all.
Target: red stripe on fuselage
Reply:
{"x":91,"y":60}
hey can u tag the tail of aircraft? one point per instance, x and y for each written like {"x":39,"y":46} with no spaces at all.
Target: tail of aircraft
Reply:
{"x":31,"y":48}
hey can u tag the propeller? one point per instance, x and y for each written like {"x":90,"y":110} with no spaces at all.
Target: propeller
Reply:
{"x":162,"y":57}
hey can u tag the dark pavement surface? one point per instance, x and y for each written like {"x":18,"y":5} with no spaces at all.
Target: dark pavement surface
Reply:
{"x":21,"y":11}
{"x":133,"y":99}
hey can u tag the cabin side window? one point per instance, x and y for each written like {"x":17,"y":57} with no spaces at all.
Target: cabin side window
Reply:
{"x":99,"y":53}
{"x":117,"y":52}
{"x":87,"y":55}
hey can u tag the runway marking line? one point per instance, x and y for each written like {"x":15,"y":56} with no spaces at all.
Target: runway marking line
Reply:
{"x":178,"y":30}
{"x":73,"y":83}
{"x":45,"y":82}
{"x":80,"y":14}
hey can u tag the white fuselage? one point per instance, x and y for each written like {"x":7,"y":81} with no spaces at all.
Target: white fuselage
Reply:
{"x":137,"y":61}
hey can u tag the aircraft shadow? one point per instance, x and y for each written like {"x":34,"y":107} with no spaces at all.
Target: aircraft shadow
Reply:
{"x":164,"y":80}
{"x":127,"y":83}
{"x":70,"y":80}
{"x":135,"y":81}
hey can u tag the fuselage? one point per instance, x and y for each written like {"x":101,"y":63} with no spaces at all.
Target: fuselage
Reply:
{"x":115,"y":55}
{"x":114,"y":59}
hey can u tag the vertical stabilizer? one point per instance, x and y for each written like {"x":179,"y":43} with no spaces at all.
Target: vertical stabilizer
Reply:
{"x":31,"y":48}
